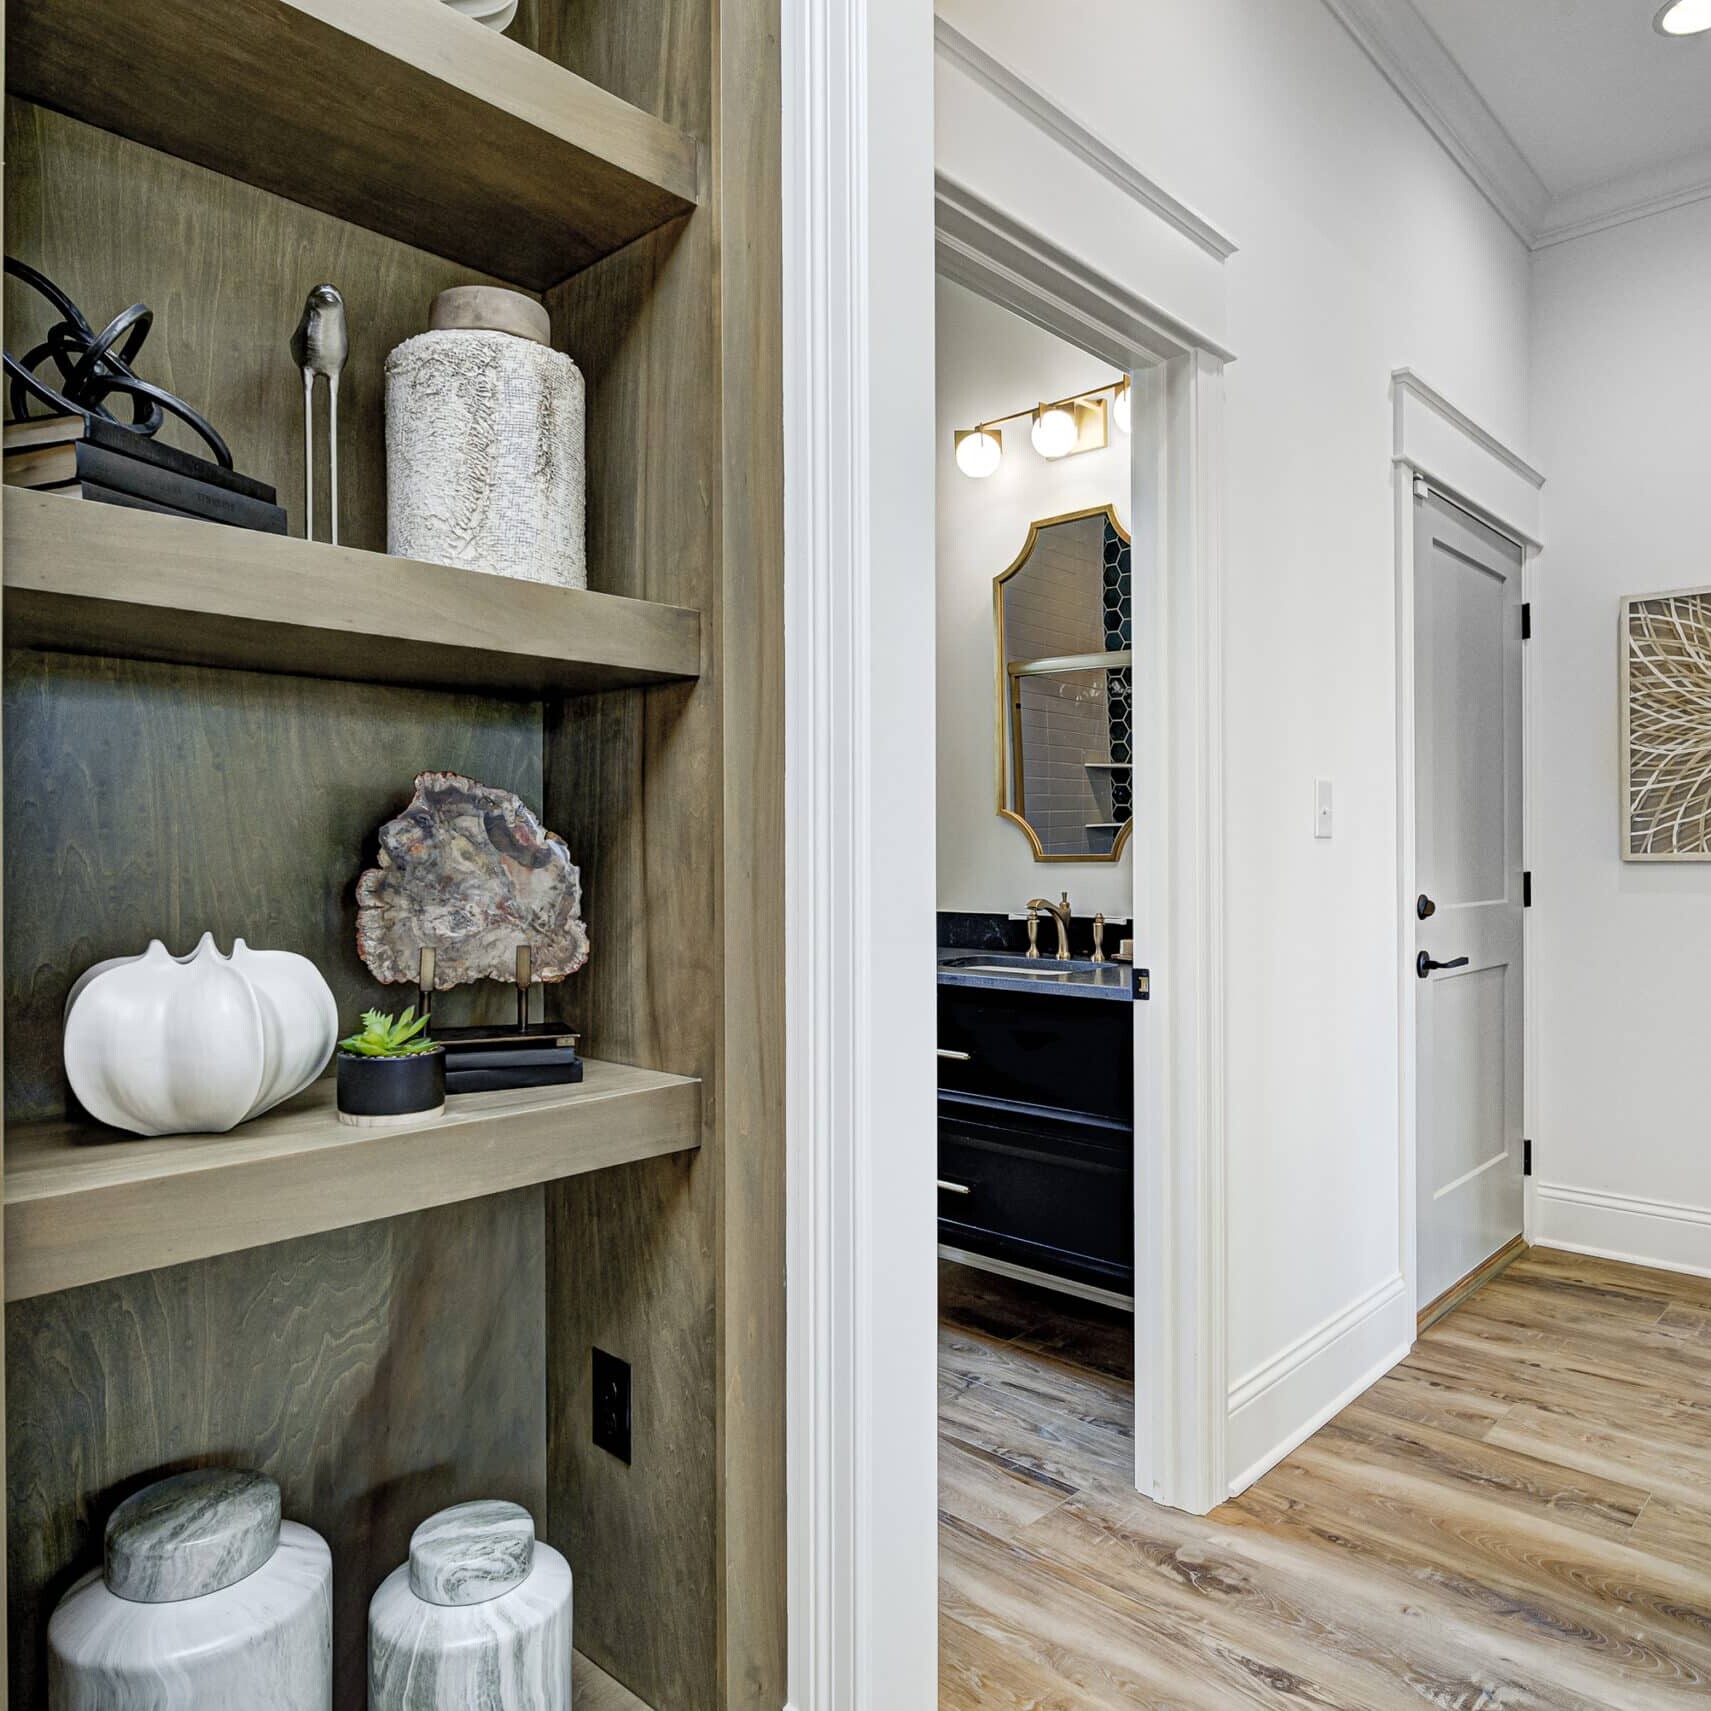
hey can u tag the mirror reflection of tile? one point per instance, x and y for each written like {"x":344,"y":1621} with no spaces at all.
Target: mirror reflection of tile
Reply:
{"x":1074,"y":597}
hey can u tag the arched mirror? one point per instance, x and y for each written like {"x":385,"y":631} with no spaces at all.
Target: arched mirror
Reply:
{"x":1065,"y":737}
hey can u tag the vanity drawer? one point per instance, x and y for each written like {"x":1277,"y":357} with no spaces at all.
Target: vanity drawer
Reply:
{"x":1047,"y":1196}
{"x":1073,"y":1054}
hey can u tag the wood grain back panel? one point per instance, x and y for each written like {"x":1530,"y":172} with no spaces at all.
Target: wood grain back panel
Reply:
{"x":378,"y":1373}
{"x":164,"y":801}
{"x":655,"y":54}
{"x":225,"y":267}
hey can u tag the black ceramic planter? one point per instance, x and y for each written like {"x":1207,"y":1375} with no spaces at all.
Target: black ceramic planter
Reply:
{"x":387,"y":1092}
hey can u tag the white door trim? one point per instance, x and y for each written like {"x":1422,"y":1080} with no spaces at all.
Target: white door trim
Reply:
{"x":1177,"y":413}
{"x":859,"y":694}
{"x":1439,"y":444}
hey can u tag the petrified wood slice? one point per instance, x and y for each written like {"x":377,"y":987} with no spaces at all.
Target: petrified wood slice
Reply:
{"x":470,"y":872}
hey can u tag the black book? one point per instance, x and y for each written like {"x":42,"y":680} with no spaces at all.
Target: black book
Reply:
{"x":503,"y":1037}
{"x":500,"y":1080}
{"x":82,"y":461}
{"x":99,"y":495}
{"x":42,"y":432}
{"x":543,"y":1057}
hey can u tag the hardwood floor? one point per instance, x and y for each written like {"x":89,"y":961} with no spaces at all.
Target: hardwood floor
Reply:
{"x":1518,"y":1518}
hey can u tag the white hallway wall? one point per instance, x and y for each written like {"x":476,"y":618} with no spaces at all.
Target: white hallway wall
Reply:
{"x":1362,"y":249}
{"x":1623,"y":362}
{"x":991,"y":362}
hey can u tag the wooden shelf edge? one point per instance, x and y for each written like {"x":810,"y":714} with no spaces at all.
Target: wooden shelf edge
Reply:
{"x":89,"y":578}
{"x":400,"y":116}
{"x":84,"y":1204}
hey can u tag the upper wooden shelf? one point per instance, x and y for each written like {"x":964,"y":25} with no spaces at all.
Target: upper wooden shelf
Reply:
{"x":399,"y":115}
{"x":84,"y":1203}
{"x":90,"y":578}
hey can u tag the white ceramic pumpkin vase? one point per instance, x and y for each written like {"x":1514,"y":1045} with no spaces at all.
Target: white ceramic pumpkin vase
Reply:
{"x":172,"y":1045}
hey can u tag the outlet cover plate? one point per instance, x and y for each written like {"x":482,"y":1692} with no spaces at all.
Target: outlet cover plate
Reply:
{"x":612,"y":1405}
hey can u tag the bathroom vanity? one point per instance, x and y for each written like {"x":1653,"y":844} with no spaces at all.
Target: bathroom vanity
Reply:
{"x":1036,"y":1116}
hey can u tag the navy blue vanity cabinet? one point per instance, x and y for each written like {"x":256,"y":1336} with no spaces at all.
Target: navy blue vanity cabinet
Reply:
{"x":1036,"y":1139}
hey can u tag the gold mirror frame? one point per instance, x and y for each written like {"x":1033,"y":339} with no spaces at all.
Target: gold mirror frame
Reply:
{"x":1007,"y":747}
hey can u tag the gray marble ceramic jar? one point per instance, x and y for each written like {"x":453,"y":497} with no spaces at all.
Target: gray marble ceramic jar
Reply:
{"x":205,"y":1598}
{"x":477,"y":1620}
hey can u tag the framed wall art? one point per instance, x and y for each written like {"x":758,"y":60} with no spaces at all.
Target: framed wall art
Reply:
{"x":1666,"y":726}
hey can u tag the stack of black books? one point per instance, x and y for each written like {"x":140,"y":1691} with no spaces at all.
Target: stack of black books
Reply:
{"x":89,"y":457}
{"x":488,"y":1060}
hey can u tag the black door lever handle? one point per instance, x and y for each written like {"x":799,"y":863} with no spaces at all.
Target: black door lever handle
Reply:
{"x":1423,"y":964}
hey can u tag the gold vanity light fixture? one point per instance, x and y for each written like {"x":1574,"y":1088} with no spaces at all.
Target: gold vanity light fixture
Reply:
{"x":979,"y":451}
{"x":1063,"y":427}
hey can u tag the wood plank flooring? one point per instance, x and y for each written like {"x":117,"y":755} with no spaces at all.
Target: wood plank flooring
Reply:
{"x":1518,"y":1518}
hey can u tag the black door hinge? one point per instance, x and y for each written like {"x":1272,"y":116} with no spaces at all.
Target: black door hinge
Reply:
{"x":1526,"y":1158}
{"x":1526,"y":620}
{"x":1527,"y":889}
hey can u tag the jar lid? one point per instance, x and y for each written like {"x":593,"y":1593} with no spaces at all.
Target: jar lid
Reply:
{"x":192,"y":1534}
{"x":490,"y":309}
{"x":471,"y":1553}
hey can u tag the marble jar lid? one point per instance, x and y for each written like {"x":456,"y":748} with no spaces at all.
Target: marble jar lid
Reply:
{"x":192,"y":1534}
{"x":471,"y":1553}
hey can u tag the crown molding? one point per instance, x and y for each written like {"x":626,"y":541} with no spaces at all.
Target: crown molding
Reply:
{"x":1424,"y":73}
{"x":1606,"y":205}
{"x":1063,"y":128}
{"x":1427,"y":76}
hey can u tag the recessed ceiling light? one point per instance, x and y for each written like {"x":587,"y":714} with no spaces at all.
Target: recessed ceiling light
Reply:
{"x":1685,"y":18}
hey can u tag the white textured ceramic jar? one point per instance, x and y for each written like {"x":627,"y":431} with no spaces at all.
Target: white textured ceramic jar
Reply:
{"x":478,"y":1618}
{"x":485,"y":429}
{"x":206,"y":1598}
{"x":172,"y":1045}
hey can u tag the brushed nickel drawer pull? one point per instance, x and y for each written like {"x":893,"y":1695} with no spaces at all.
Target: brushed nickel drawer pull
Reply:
{"x":956,"y":1057}
{"x":954,"y":1187}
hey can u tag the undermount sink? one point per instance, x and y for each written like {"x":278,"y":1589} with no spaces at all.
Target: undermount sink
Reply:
{"x":1043,"y":967}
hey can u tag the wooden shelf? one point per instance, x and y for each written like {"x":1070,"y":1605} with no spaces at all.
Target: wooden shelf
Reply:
{"x":399,"y":115}
{"x":89,"y":578}
{"x":84,"y":1203}
{"x":595,"y":1690}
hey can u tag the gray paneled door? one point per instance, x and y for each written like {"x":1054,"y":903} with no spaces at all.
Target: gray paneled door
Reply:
{"x":1467,"y":751}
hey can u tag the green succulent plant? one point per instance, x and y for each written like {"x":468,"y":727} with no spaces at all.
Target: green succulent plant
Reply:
{"x":390,"y":1036}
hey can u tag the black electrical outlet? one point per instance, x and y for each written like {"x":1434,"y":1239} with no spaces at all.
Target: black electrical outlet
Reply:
{"x":612,"y":1405}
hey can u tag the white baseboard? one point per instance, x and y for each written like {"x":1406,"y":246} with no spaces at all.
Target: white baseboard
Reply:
{"x":1623,"y":1227}
{"x":1285,"y":1400}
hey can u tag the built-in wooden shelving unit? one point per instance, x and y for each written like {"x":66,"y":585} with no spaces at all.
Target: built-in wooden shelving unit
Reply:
{"x":406,"y":118}
{"x":89,"y":578}
{"x":204,"y":726}
{"x":85,"y":1203}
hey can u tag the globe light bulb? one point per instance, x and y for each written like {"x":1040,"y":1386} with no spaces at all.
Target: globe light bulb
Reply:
{"x":1120,"y":408}
{"x":1054,"y":432}
{"x":978,"y":452}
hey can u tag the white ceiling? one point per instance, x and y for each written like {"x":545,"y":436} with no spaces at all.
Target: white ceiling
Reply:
{"x":1572,"y":115}
{"x":1587,"y":88}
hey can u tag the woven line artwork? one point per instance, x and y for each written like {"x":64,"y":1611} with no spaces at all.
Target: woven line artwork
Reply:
{"x":1666,"y":726}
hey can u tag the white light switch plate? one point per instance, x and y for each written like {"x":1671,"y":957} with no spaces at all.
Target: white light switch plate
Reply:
{"x":1322,"y":819}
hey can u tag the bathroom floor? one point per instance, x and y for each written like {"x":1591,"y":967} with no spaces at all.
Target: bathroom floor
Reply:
{"x":1519,"y":1516}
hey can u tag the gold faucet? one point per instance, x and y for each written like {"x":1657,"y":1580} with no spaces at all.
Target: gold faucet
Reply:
{"x":1060,"y":913}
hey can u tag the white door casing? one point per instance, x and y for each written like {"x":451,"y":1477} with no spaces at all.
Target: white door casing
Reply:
{"x":1468,"y":921}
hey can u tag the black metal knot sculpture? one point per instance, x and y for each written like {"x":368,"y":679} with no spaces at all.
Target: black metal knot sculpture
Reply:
{"x":93,"y":367}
